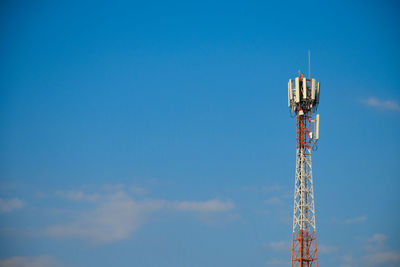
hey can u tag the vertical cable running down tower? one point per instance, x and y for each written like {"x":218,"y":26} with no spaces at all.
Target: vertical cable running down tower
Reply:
{"x":303,"y":100}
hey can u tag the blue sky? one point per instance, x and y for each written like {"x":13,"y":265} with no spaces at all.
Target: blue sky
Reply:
{"x":158,"y":134}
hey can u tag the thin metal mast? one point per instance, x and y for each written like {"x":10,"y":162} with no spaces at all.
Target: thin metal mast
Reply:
{"x":303,"y":100}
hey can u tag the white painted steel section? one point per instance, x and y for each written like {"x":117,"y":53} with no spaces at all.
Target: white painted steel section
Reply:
{"x":304,"y":211}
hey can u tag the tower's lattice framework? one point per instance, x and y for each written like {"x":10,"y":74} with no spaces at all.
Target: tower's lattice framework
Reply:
{"x":303,"y":100}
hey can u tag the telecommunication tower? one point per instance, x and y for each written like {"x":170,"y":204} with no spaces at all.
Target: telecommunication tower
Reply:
{"x":303,"y":100}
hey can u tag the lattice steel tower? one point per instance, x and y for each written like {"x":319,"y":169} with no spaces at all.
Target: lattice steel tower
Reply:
{"x":303,"y":100}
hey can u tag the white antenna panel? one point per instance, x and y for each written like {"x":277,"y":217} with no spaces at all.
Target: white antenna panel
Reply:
{"x":304,"y":88}
{"x":297,"y":90}
{"x":290,"y":92}
{"x":317,"y":98}
{"x":317,"y":127}
{"x":313,"y":88}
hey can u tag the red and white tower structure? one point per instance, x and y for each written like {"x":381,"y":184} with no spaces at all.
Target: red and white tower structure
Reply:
{"x":303,"y":100}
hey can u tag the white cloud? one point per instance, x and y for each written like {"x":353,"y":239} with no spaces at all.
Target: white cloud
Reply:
{"x":138,"y":190}
{"x":378,"y":238}
{"x":359,"y":219}
{"x":117,"y":215}
{"x":375,"y":253}
{"x":277,"y":262}
{"x":348,"y":261}
{"x":273,"y":201}
{"x":271,"y":188}
{"x":326,"y":249}
{"x":214,"y":205}
{"x":113,"y":187}
{"x":39,"y":261}
{"x":78,"y":196}
{"x":382,"y":104}
{"x":116,"y":218}
{"x":11,"y":204}
{"x":378,"y":254}
{"x":383,"y":258}
{"x":354,"y":220}
{"x":279,"y":246}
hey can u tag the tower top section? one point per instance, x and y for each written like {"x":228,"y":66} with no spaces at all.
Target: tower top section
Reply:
{"x":303,"y":101}
{"x":303,"y":94}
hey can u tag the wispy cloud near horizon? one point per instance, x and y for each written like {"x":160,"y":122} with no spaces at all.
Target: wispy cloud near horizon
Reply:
{"x":117,"y":215}
{"x":359,"y":219}
{"x":382,"y":104}
{"x":213,"y":205}
{"x":278,"y":246}
{"x":114,"y":218}
{"x":352,"y":220}
{"x":326,"y":249}
{"x":11,"y":204}
{"x":379,"y":253}
{"x":37,"y":261}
